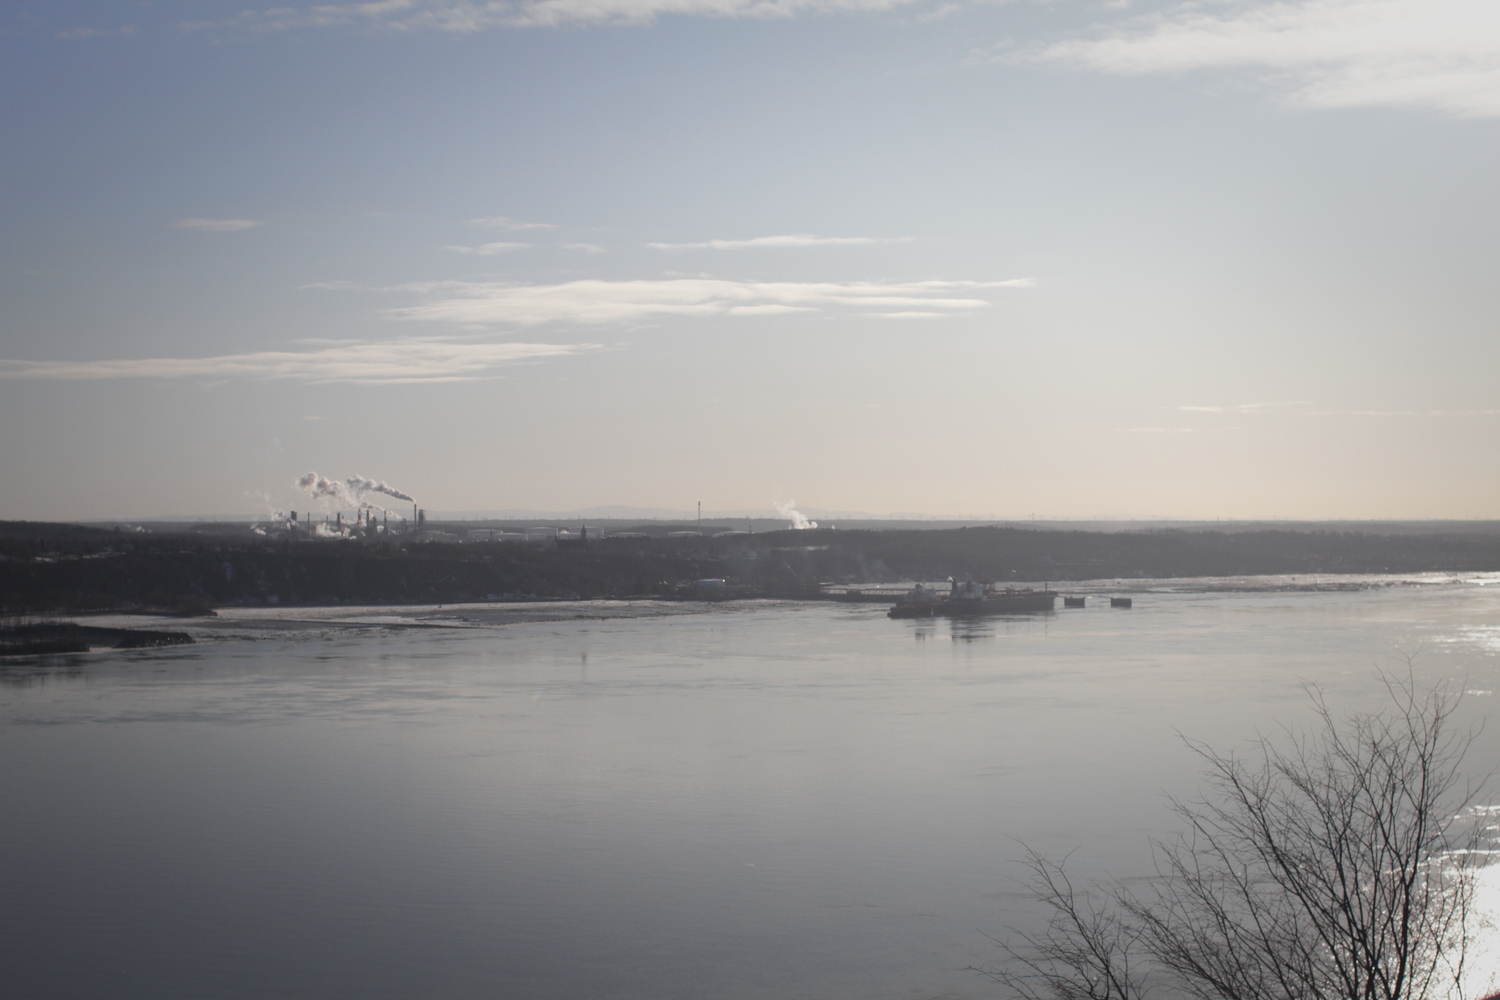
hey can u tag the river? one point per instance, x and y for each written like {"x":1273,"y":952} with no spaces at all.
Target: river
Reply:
{"x":741,"y":801}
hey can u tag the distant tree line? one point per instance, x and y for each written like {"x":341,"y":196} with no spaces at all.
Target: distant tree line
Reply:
{"x":47,"y":567}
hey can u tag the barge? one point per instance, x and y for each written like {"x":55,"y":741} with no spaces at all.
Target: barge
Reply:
{"x":970,"y":598}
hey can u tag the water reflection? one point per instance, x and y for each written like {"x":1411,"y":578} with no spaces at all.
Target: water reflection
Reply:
{"x":768,"y":801}
{"x":38,"y":671}
{"x":971,"y":629}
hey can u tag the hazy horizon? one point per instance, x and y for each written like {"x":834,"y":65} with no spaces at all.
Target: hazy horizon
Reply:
{"x":617,"y":514}
{"x":1078,"y":259}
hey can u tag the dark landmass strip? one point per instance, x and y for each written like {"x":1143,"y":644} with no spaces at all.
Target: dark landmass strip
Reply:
{"x":41,"y":638}
{"x":236,"y":524}
{"x":48,"y":568}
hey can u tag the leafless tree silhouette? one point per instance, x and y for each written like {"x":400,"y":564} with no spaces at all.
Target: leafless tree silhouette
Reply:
{"x":1334,"y":863}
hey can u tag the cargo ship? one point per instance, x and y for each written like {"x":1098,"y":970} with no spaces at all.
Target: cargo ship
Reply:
{"x":969,"y":598}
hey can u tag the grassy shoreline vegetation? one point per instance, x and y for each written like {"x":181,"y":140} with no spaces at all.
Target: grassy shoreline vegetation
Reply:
{"x":48,"y":568}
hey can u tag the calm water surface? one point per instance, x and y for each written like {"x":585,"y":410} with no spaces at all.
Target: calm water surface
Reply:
{"x":764,"y":801}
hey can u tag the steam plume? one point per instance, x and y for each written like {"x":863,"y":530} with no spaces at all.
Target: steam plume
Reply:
{"x":360,"y":485}
{"x":351,"y":491}
{"x":275,"y":513}
{"x":789,"y":511}
{"x":323,"y":489}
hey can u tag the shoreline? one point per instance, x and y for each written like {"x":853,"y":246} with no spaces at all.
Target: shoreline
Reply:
{"x":81,"y":570}
{"x":140,"y":630}
{"x":481,"y":614}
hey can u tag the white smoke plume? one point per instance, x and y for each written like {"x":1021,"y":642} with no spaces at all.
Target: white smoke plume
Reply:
{"x":323,"y":489}
{"x":360,"y":485}
{"x":350,"y":492}
{"x":274,"y":513}
{"x":789,"y":511}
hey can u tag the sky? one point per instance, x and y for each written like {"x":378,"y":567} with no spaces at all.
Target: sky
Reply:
{"x":1062,"y":258}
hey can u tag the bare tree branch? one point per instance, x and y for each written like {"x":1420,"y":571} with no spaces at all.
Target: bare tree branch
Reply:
{"x":1327,"y":864}
{"x":1086,"y":952}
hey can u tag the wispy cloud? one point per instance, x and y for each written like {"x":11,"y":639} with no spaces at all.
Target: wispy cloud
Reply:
{"x":1306,"y":409}
{"x":1403,"y":413}
{"x":793,"y":240}
{"x":598,"y":302}
{"x":468,"y":16}
{"x":216,"y":225}
{"x":489,"y":249}
{"x":331,"y":286}
{"x":450,"y":359}
{"x":73,"y":34}
{"x":1280,"y":405}
{"x":362,"y":362}
{"x":550,"y":13}
{"x":1441,"y":55}
{"x":502,"y":222}
{"x":584,"y":247}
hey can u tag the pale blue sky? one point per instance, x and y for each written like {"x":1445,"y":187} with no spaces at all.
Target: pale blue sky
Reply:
{"x":1233,"y":259}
